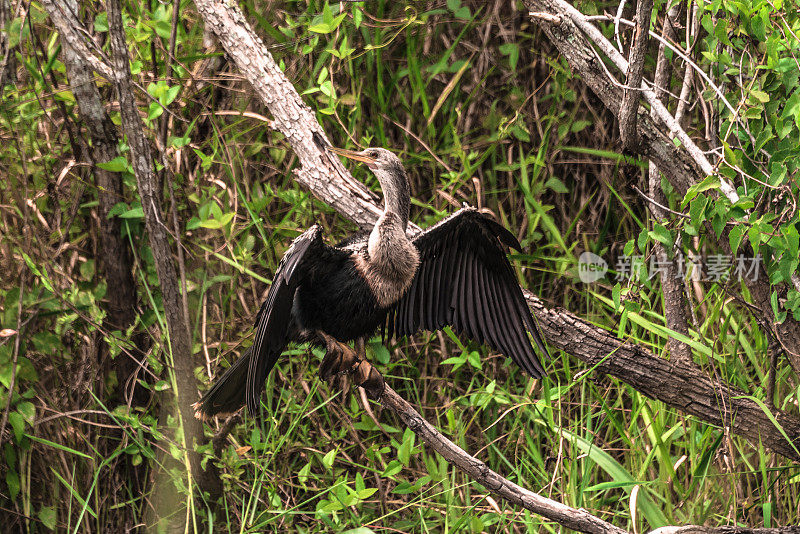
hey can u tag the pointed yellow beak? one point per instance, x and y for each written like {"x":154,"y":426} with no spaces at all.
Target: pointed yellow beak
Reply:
{"x":358,"y":156}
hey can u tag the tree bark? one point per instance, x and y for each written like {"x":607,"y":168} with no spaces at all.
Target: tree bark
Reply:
{"x":629,"y":108}
{"x":114,"y":258}
{"x":179,"y":341}
{"x":671,"y":284}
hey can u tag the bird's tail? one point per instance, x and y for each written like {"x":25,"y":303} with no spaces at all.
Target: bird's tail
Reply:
{"x":226,"y":396}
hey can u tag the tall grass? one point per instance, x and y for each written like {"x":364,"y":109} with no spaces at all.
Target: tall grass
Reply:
{"x":482,"y":111}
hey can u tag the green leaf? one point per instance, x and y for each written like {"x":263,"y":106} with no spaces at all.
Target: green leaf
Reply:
{"x":392,"y":469}
{"x":171,"y":94}
{"x":556,"y":185}
{"x":327,"y":23}
{"x":512,"y":51}
{"x":697,"y":210}
{"x":792,"y":239}
{"x":736,"y":236}
{"x":661,"y":234}
{"x":329,"y":458}
{"x":381,"y":353}
{"x":302,"y":475}
{"x":404,"y":452}
{"x":47,"y":515}
{"x":134,"y":213}
{"x":12,"y":481}
{"x":218,"y":223}
{"x":17,"y":422}
{"x":101,"y":22}
{"x":28,"y":411}
{"x":761,"y":96}
{"x":710,"y":182}
{"x":118,"y":164}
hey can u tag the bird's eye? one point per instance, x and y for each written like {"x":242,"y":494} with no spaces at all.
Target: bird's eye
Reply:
{"x":374,"y":154}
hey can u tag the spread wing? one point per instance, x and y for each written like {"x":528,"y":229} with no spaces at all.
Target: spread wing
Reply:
{"x":244,"y":380}
{"x":464,"y":280}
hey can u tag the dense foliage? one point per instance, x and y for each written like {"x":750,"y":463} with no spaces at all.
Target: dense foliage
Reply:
{"x":481,"y":110}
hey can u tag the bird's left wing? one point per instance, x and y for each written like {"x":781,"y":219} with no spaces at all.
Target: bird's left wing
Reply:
{"x":464,"y":280}
{"x":244,"y":380}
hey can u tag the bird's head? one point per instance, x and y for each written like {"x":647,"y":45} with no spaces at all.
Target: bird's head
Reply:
{"x":375,"y":158}
{"x":390,"y":173}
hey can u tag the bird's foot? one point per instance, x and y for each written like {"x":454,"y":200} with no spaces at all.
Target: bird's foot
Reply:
{"x":366,"y":376}
{"x":340,"y":359}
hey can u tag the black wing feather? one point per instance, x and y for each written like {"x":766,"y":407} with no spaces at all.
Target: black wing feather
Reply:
{"x":244,"y":380}
{"x":464,"y":280}
{"x":273,"y":326}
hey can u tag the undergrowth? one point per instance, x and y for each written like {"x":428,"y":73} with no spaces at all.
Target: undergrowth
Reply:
{"x":481,"y":110}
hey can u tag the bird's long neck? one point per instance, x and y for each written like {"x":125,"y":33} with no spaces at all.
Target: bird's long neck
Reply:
{"x":388,"y":237}
{"x":389,"y":247}
{"x":396,"y":192}
{"x":392,"y":259}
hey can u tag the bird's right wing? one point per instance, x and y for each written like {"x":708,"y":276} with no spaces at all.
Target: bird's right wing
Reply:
{"x":244,"y":380}
{"x":464,"y":280}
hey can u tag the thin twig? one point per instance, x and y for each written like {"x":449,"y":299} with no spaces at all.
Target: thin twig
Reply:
{"x":661,"y":111}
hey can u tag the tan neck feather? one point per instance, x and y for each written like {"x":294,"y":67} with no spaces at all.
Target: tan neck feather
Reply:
{"x":391,"y":261}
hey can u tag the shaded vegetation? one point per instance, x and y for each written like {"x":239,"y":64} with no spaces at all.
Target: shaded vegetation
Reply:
{"x":481,"y":110}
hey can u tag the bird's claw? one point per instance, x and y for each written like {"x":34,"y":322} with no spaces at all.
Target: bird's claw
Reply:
{"x":341,"y":359}
{"x":366,"y":376}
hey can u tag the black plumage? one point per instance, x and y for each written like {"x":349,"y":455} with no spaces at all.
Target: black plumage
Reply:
{"x":455,"y":273}
{"x":482,"y":300}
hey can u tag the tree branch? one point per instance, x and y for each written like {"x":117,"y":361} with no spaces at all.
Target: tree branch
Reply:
{"x":683,"y":387}
{"x":573,"y":518}
{"x":671,"y":283}
{"x":630,"y":98}
{"x":573,"y":34}
{"x":66,"y":23}
{"x":177,"y":323}
{"x":114,"y":255}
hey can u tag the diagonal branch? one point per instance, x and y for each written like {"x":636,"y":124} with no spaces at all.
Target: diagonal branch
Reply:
{"x":573,"y":518}
{"x":683,"y":387}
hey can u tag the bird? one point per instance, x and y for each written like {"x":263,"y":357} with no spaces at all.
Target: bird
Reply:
{"x":455,"y":273}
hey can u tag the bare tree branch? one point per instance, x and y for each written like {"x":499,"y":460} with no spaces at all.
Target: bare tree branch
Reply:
{"x":573,"y":518}
{"x":66,"y":23}
{"x":671,"y":283}
{"x":630,"y":98}
{"x":573,"y":34}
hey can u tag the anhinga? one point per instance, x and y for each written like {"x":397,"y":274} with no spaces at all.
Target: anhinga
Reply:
{"x":455,"y":273}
